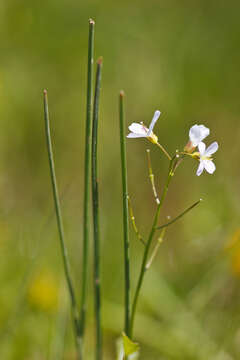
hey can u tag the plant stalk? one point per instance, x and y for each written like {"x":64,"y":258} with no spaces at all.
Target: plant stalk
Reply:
{"x":125,"y":215}
{"x":148,"y":245}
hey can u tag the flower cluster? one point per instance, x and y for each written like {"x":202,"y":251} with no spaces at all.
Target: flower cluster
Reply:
{"x":197,"y":134}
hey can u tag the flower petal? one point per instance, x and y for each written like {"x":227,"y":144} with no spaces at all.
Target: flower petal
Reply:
{"x":202,"y":148}
{"x":197,"y":133}
{"x":138,"y":129}
{"x":154,"y":120}
{"x":209,"y":166}
{"x":133,"y":135}
{"x":200,"y":168}
{"x":204,"y":131}
{"x":212,"y":148}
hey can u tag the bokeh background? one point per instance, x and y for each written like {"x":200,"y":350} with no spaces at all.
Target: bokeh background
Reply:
{"x":181,"y":57}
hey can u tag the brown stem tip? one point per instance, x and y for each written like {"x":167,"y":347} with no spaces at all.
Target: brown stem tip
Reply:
{"x":100,"y":60}
{"x":45,"y":92}
{"x":122,"y":93}
{"x":91,"y":22}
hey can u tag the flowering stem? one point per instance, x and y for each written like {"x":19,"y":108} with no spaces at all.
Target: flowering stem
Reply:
{"x":151,"y":176}
{"x":87,"y":178}
{"x":66,"y":264}
{"x":125,"y":200}
{"x":132,"y":217}
{"x":164,"y":151}
{"x":95,"y":205}
{"x":179,"y":216}
{"x":163,"y":228}
{"x":148,"y":245}
{"x":155,"y":250}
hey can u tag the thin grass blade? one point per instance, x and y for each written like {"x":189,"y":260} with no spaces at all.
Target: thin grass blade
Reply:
{"x":66,"y":264}
{"x":95,"y":206}
{"x":125,"y":213}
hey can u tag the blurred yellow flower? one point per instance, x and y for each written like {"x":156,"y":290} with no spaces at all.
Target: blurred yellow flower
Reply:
{"x":236,"y":264}
{"x":234,"y":240}
{"x":233,"y":247}
{"x":43,"y":292}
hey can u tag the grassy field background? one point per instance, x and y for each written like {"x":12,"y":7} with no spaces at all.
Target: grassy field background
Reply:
{"x":179,"y":57}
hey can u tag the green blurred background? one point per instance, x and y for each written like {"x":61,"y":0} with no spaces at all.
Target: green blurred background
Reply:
{"x":181,"y":57}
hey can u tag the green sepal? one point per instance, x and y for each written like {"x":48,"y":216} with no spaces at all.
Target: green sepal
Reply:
{"x":129,"y":346}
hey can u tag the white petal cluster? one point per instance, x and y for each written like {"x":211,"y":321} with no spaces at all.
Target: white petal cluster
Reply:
{"x":141,"y":131}
{"x":197,"y":133}
{"x":205,"y":158}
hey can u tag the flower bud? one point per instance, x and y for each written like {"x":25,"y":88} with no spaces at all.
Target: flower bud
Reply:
{"x":189,"y":148}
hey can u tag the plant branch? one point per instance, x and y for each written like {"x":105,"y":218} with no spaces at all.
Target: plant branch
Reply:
{"x":164,"y":151}
{"x":179,"y":216}
{"x":155,"y":250}
{"x":132,"y":217}
{"x":151,"y":176}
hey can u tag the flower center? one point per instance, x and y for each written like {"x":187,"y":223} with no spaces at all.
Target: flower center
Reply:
{"x":206,"y":158}
{"x":153,"y":138}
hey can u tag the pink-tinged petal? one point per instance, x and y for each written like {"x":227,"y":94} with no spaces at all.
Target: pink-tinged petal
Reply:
{"x":138,"y":129}
{"x":209,"y":166}
{"x":201,"y":148}
{"x":197,"y":133}
{"x":200,"y":168}
{"x":212,"y":149}
{"x":132,"y":135}
{"x":154,"y":120}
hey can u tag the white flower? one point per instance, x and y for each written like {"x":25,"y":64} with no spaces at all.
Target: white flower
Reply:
{"x":141,"y":131}
{"x":205,"y":158}
{"x":197,"y":133}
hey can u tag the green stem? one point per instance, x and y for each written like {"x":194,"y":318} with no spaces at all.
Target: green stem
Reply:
{"x":164,"y":151}
{"x":132,"y":217}
{"x":66,"y":264}
{"x":155,"y":250}
{"x":87,"y":178}
{"x":125,"y":214}
{"x":148,"y":245}
{"x":179,"y":216}
{"x":95,"y":205}
{"x":151,"y":176}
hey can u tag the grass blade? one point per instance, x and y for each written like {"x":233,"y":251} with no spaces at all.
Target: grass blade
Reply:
{"x":61,"y":230}
{"x":125,"y":213}
{"x":95,"y":205}
{"x":87,"y":169}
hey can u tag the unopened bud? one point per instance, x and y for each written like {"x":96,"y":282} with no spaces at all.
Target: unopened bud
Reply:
{"x":189,"y":148}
